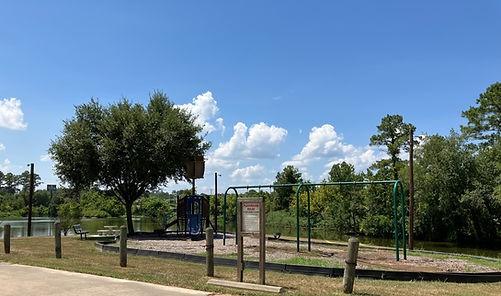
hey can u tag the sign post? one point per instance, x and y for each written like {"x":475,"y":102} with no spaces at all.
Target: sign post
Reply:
{"x":251,"y":222}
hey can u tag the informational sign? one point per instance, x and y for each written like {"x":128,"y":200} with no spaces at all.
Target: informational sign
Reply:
{"x":250,"y":217}
{"x":251,"y":222}
{"x":51,"y":187}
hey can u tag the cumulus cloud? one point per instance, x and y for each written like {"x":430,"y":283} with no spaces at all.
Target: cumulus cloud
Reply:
{"x":248,"y":173}
{"x":205,"y":108}
{"x":326,"y":145}
{"x":11,"y":115}
{"x":5,"y":165}
{"x":258,"y":141}
{"x":2,"y":147}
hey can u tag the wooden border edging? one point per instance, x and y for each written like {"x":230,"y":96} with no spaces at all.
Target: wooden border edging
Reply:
{"x":454,"y":277}
{"x":246,"y":286}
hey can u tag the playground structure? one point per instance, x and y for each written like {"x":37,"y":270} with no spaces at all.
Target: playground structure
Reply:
{"x":398,"y":200}
{"x":192,"y":215}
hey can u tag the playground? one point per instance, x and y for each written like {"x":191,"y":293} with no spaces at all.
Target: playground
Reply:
{"x":185,"y":236}
{"x":324,"y":254}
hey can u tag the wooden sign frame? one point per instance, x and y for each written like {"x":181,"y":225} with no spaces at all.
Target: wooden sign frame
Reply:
{"x":251,"y":205}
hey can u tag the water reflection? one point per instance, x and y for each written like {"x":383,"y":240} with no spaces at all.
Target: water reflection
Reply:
{"x":43,"y":226}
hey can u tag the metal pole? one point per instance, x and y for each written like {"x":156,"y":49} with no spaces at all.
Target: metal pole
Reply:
{"x":215,"y":202}
{"x":30,"y":199}
{"x":297,"y":216}
{"x":404,"y":216}
{"x":309,"y":220}
{"x":395,"y":223}
{"x":411,"y":189}
{"x":224,"y":218}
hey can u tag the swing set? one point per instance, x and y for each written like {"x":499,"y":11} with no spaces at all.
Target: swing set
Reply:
{"x":398,"y":200}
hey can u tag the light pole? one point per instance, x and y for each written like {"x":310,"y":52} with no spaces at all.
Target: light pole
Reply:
{"x":215,"y":201}
{"x":30,"y":199}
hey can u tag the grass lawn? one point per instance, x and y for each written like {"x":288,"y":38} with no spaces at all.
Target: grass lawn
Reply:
{"x":82,"y":256}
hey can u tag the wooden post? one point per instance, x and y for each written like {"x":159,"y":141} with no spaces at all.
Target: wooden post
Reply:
{"x":411,"y":189}
{"x":57,"y":229}
{"x":209,"y":248}
{"x":123,"y":246}
{"x":240,"y":244}
{"x":262,"y":242}
{"x":6,"y":238}
{"x":350,"y":264}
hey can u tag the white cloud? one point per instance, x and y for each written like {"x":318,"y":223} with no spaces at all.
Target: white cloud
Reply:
{"x":5,"y":166}
{"x":248,"y":173}
{"x":205,"y":108}
{"x":45,"y":157}
{"x":11,"y":115}
{"x":327,"y":146}
{"x":258,"y":141}
{"x":2,"y":147}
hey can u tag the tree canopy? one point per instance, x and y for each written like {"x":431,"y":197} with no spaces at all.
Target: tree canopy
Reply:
{"x":484,"y":120}
{"x":127,"y":148}
{"x":393,"y":133}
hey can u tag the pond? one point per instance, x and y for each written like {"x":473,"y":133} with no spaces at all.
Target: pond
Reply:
{"x":44,"y":226}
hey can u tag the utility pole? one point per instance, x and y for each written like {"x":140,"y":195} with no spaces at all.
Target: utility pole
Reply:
{"x":411,"y":188}
{"x":30,"y":200}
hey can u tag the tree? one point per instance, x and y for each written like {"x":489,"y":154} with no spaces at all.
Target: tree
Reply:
{"x":392,"y":133}
{"x":445,"y":171}
{"x":484,"y":120}
{"x":126,"y":147}
{"x":282,"y":196}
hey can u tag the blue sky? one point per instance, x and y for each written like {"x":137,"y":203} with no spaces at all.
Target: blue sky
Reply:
{"x":302,"y":83}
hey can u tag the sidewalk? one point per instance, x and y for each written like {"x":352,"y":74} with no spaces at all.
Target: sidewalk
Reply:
{"x":22,"y":280}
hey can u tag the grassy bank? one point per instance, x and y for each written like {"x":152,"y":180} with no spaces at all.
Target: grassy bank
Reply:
{"x":82,"y":256}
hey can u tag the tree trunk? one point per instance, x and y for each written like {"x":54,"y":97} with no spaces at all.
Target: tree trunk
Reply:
{"x":128,"y":211}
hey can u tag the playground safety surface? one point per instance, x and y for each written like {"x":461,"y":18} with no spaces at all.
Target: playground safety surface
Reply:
{"x":332,"y":255}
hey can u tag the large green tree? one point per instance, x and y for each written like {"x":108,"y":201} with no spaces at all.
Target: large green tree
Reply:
{"x":393,"y":133}
{"x":484,"y":120}
{"x":127,"y":148}
{"x":282,"y":196}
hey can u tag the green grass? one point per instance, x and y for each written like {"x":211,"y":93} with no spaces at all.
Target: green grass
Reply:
{"x":82,"y":256}
{"x":308,"y":261}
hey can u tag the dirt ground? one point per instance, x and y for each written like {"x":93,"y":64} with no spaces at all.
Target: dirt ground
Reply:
{"x":331,"y":255}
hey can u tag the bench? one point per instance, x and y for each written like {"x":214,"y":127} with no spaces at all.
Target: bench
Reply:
{"x":78,"y":230}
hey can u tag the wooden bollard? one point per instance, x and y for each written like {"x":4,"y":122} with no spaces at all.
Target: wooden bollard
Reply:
{"x":350,"y":264}
{"x":6,"y":238}
{"x":209,"y":248}
{"x":123,"y":246}
{"x":57,"y":229}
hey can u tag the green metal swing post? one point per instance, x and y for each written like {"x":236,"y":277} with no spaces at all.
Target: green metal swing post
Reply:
{"x":398,"y":200}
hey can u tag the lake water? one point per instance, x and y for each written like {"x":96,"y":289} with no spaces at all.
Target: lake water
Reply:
{"x":42,"y":226}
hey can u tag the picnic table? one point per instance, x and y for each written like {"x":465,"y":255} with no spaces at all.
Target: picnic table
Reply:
{"x":109,"y":230}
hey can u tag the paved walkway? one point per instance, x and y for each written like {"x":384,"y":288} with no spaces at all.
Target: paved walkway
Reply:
{"x":21,"y":280}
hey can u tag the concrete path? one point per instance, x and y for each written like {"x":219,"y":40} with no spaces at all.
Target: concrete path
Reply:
{"x":21,"y":280}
